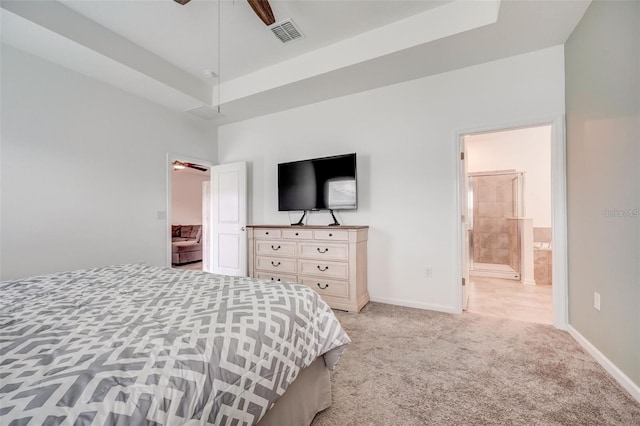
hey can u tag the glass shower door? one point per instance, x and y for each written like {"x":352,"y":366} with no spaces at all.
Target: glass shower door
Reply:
{"x":495,"y":204}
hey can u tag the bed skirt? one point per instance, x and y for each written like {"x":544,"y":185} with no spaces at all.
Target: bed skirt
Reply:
{"x":306,"y":396}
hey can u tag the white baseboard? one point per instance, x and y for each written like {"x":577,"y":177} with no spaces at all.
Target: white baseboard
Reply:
{"x":606,"y":363}
{"x":418,"y":305}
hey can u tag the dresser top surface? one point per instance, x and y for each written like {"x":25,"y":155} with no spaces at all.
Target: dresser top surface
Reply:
{"x":309,"y":226}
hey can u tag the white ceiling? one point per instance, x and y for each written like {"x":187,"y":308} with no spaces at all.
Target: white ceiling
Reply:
{"x":159,"y":49}
{"x":187,"y":36}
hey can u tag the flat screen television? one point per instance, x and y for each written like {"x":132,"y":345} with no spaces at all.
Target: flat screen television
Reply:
{"x":327,"y":183}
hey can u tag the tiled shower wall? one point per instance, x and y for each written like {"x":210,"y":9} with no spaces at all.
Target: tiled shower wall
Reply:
{"x":542,"y":235}
{"x":495,"y":232}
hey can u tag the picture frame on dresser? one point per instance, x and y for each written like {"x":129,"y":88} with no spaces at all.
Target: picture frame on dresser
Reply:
{"x":330,"y":260}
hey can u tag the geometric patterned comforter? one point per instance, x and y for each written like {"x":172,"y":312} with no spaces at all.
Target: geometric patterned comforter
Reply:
{"x":142,"y":345}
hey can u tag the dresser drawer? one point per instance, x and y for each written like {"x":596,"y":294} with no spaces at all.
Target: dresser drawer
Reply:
{"x":327,"y":287}
{"x":267,"y":233}
{"x":324,"y":251}
{"x":320,"y":268}
{"x":275,"y":264}
{"x":334,"y":235}
{"x":280,"y":278}
{"x":276,"y":248}
{"x":297,"y":234}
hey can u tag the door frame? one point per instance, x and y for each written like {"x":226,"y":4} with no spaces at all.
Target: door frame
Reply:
{"x":171,"y":157}
{"x":558,"y":206}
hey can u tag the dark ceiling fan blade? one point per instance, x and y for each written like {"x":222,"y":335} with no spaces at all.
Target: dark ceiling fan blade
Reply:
{"x":196,"y":166}
{"x":263,"y":10}
{"x":177,"y":165}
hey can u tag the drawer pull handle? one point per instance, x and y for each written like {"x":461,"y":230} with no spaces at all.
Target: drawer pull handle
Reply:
{"x":325,"y":268}
{"x":320,"y":251}
{"x":275,"y":264}
{"x":273,"y":279}
{"x":325,"y":286}
{"x":297,"y":234}
{"x":266,"y":233}
{"x":331,"y":235}
{"x":275,"y":248}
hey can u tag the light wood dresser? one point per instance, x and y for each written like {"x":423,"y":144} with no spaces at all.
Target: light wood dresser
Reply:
{"x":330,"y":260}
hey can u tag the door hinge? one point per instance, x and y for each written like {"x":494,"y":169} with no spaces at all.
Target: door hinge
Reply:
{"x":462,"y":155}
{"x":463,"y":282}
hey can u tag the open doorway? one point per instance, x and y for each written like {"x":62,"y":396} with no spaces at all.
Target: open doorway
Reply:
{"x":509,"y":223}
{"x":189,"y":213}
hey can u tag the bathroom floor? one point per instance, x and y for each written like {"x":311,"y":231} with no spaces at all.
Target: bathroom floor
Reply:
{"x":510,"y":299}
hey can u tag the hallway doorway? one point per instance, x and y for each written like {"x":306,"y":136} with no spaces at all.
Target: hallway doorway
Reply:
{"x":189,"y":214}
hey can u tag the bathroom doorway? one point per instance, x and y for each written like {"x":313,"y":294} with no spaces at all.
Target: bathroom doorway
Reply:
{"x":509,"y":200}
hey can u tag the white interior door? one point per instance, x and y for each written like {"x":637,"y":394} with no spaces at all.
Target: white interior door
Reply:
{"x":229,"y":218}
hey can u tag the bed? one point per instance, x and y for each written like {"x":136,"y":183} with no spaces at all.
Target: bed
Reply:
{"x":142,"y":345}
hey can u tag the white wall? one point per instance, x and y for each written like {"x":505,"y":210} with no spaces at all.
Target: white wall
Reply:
{"x":404,"y":136}
{"x":186,"y":197}
{"x":84,"y":169}
{"x":525,"y":150}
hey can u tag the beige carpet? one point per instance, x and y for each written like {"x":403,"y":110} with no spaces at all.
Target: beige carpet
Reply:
{"x":414,"y":367}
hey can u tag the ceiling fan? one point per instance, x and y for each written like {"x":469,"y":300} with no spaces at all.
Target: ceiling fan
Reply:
{"x":260,"y":7}
{"x":179,"y":165}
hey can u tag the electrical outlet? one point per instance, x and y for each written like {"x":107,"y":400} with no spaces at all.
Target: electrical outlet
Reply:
{"x":596,"y":300}
{"x":428,"y":272}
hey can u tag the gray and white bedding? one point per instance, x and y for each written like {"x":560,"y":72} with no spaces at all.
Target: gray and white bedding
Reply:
{"x":141,"y":345}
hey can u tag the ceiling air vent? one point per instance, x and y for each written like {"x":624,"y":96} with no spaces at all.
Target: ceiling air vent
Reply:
{"x":286,"y":30}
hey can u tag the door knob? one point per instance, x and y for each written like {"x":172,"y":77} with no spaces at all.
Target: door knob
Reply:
{"x":242,"y":229}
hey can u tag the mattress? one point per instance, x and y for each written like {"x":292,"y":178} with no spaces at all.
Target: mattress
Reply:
{"x":136,"y":344}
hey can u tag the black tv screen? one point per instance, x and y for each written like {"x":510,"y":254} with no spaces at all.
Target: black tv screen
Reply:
{"x":327,"y":183}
